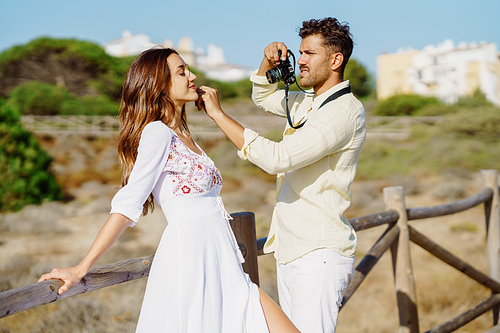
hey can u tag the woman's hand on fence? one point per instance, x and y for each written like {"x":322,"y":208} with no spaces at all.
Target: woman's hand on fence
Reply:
{"x":70,"y":276}
{"x":110,"y":232}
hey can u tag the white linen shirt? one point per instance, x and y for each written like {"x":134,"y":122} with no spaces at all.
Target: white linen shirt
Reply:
{"x":315,"y":164}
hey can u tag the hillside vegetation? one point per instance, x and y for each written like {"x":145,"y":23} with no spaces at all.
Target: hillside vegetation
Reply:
{"x":71,"y":77}
{"x":466,"y":139}
{"x":25,"y":178}
{"x":61,"y":76}
{"x":66,"y":76}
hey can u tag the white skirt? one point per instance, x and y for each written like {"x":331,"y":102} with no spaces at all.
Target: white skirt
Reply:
{"x":196,"y":283}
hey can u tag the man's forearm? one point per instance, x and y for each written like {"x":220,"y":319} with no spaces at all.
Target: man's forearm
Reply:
{"x":264,"y":67}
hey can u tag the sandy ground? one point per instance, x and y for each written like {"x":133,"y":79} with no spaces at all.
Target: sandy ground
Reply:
{"x":38,"y":238}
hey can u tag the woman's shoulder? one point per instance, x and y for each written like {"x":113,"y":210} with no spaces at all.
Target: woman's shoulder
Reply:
{"x":157,"y":128}
{"x":156,"y":134}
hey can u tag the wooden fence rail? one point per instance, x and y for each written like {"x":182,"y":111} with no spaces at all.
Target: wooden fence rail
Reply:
{"x":396,"y":237}
{"x":202,"y":127}
{"x":40,"y":293}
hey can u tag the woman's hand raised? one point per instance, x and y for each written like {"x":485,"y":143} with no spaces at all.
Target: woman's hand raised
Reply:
{"x":208,"y":99}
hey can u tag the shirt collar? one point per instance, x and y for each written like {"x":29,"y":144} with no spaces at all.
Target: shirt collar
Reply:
{"x":317,"y":100}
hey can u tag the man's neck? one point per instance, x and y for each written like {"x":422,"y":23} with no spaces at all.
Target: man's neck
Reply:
{"x":325,"y":86}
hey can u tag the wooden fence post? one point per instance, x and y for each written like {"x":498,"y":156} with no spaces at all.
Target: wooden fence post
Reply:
{"x":243,"y":225}
{"x":403,"y":272}
{"x":492,"y":214}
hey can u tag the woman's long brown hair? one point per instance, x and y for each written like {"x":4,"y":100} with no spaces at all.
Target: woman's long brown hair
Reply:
{"x":145,"y":99}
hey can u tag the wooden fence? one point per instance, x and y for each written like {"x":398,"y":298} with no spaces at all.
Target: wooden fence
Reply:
{"x":202,"y":127}
{"x":83,"y":125}
{"x":397,"y":238}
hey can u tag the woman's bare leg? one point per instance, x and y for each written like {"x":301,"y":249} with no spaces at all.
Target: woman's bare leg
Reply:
{"x":277,"y":320}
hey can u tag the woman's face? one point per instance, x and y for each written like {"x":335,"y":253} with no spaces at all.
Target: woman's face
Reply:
{"x":183,"y":89}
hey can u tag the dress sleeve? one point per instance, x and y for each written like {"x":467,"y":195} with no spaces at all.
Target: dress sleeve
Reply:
{"x":152,"y":156}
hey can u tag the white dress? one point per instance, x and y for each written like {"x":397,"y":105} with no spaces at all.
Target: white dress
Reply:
{"x":196,"y":283}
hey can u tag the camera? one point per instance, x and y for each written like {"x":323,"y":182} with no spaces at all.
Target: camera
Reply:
{"x":282,"y":72}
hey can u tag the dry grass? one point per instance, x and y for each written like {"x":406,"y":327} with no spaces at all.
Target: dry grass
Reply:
{"x":36,"y":239}
{"x":442,"y":291}
{"x":114,"y":309}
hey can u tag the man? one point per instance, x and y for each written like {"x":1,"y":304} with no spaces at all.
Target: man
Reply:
{"x":313,"y":242}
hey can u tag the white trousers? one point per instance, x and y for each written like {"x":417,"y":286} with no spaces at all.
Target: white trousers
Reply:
{"x":311,"y":288}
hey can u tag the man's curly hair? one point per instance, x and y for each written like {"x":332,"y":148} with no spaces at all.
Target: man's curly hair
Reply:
{"x":336,"y":36}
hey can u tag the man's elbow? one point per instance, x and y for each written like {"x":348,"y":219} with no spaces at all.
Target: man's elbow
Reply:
{"x":257,"y":101}
{"x":274,"y":169}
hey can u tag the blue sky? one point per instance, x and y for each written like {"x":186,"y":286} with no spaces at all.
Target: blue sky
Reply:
{"x":244,"y":28}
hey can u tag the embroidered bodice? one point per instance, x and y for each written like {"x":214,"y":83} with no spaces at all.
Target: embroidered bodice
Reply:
{"x":166,"y":167}
{"x":189,"y":172}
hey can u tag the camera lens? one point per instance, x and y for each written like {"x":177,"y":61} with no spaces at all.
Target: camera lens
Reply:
{"x":283,"y":72}
{"x":274,"y":75}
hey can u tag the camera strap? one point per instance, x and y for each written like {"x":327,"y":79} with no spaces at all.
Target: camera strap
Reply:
{"x":330,"y":98}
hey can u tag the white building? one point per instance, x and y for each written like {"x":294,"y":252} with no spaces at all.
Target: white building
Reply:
{"x":444,"y":71}
{"x":128,"y":45}
{"x":212,"y":63}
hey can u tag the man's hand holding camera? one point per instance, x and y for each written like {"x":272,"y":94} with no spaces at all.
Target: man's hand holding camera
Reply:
{"x":271,"y":57}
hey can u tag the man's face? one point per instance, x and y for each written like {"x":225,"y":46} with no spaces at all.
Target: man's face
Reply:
{"x":314,"y":62}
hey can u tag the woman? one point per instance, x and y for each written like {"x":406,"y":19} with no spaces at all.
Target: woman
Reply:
{"x":196,"y":282}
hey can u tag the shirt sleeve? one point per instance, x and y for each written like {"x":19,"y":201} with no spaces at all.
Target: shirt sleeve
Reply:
{"x":152,"y":156}
{"x":268,"y":97}
{"x":331,"y":131}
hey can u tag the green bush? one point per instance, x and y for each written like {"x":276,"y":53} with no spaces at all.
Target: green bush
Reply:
{"x":23,"y":165}
{"x":358,"y":77}
{"x":476,"y":100}
{"x":436,"y":110}
{"x":68,"y":57}
{"x":89,"y":105}
{"x":38,"y":98}
{"x":111,"y":83}
{"x":481,"y":122}
{"x":65,"y":49}
{"x":9,"y":115}
{"x":404,"y":105}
